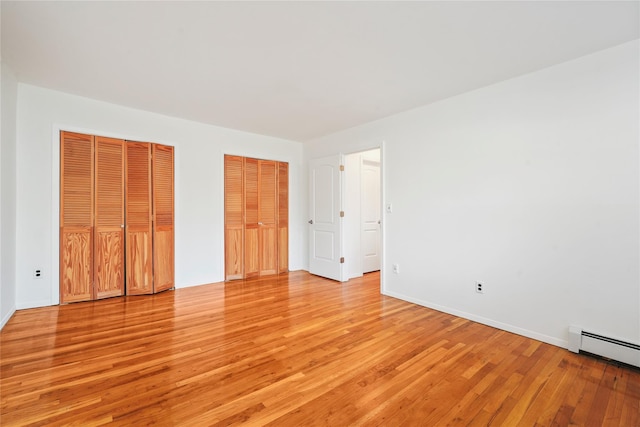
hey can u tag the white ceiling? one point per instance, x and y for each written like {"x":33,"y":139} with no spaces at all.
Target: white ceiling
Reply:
{"x":296,"y":70}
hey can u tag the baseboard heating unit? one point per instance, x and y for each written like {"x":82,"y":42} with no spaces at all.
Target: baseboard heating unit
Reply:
{"x":606,"y":347}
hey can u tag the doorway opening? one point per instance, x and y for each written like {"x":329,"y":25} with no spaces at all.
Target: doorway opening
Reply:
{"x":362,"y":202}
{"x":346,"y":237}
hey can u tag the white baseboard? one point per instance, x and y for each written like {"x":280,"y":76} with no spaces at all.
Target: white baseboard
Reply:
{"x":34,"y":304}
{"x":485,"y":321}
{"x":6,"y":318}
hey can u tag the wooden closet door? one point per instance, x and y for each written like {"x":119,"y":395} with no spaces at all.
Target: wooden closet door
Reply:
{"x":76,"y":217}
{"x":251,"y":216}
{"x":109,"y":217}
{"x":233,"y":217}
{"x":267,"y":217}
{"x":283,"y":217}
{"x":138,"y":229}
{"x":163,"y":225}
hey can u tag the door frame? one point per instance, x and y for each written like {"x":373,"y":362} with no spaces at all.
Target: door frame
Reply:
{"x":384,"y":215}
{"x":376,"y":164}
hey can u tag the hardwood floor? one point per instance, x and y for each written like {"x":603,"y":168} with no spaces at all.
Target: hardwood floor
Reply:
{"x":294,"y":350}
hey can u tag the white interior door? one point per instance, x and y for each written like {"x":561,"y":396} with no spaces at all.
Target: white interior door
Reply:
{"x":325,"y":223}
{"x":370,"y":215}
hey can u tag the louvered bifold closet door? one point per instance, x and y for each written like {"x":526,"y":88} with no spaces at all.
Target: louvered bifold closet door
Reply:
{"x":163,"y":224}
{"x":251,"y":228}
{"x":139,"y":234}
{"x":109,"y":217}
{"x":233,"y":217}
{"x":283,"y":217}
{"x":76,"y":217}
{"x":267,"y":217}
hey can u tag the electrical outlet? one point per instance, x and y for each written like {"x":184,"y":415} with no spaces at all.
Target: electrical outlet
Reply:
{"x":37,"y":273}
{"x":479,"y":288}
{"x":396,"y":269}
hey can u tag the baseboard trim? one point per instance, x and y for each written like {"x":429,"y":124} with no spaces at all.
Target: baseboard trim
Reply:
{"x":34,"y":304}
{"x":8,"y":316}
{"x":485,"y":321}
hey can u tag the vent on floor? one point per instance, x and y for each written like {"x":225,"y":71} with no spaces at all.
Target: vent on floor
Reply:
{"x":600,"y":345}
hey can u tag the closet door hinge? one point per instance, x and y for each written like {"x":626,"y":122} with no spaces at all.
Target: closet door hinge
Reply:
{"x":341,"y":168}
{"x":341,"y":260}
{"x":341,"y":214}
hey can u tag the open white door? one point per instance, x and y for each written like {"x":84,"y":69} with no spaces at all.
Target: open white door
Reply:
{"x":325,"y":223}
{"x":370,"y":215}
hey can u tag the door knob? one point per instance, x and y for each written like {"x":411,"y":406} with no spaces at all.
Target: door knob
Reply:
{"x":310,"y":221}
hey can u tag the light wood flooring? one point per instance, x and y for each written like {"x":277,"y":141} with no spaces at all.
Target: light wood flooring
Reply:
{"x":294,"y":350}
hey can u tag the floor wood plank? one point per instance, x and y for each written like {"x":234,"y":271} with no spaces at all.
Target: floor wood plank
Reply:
{"x":288,"y":350}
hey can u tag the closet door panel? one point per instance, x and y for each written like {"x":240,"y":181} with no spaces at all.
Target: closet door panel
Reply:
{"x":76,"y":217}
{"x":109,"y":217}
{"x":76,"y":270}
{"x":139,"y":253}
{"x":109,"y":271}
{"x":283,"y":217}
{"x":163,"y":265}
{"x":233,"y":252}
{"x":251,"y":226}
{"x":163,"y":228}
{"x":267,"y":208}
{"x":251,"y":243}
{"x":268,"y":252}
{"x":234,"y":217}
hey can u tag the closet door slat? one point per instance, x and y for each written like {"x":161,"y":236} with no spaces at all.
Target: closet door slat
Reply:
{"x":109,"y":217}
{"x":251,"y":229}
{"x":283,"y":217}
{"x":76,"y":217}
{"x":234,"y":217}
{"x":267,"y":217}
{"x":163,"y":215}
{"x":138,"y":217}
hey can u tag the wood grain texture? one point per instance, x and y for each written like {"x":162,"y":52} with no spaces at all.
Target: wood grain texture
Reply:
{"x":163,"y":214}
{"x":139,"y":240}
{"x":109,"y":182}
{"x":163,"y":259}
{"x":162,"y":178}
{"x":76,"y":269}
{"x":256,"y":192}
{"x":139,"y":262}
{"x":234,"y":238}
{"x":233,"y":217}
{"x":283,"y":217}
{"x":267,"y":192}
{"x":108,"y":261}
{"x":267,"y":217}
{"x":109,"y":218}
{"x":138,"y":184}
{"x":251,"y":190}
{"x":268,"y":254}
{"x":283,"y":249}
{"x":76,"y":216}
{"x":76,"y":179}
{"x":233,"y":190}
{"x":251,"y":251}
{"x":293,"y":350}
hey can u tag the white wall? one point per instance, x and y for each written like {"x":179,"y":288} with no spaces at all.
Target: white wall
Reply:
{"x":530,"y":186}
{"x":8,"y":94}
{"x":199,"y":190}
